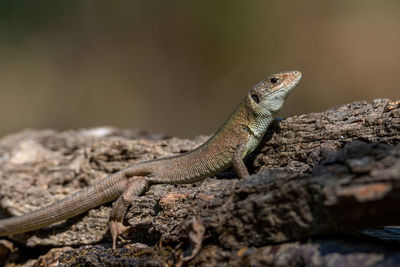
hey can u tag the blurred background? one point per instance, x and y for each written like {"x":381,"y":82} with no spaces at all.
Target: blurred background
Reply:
{"x":181,"y":67}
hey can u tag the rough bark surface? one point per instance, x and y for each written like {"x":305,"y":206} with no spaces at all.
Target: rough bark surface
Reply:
{"x":323,"y":182}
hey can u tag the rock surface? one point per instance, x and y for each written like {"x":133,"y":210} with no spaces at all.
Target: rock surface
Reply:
{"x":322,"y":183}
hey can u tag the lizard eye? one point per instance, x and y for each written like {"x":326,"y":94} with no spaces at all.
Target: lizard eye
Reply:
{"x":255,"y":98}
{"x":274,"y":80}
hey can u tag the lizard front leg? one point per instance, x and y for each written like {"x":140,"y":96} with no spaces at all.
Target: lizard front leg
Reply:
{"x":237,"y":161}
{"x":136,"y":186}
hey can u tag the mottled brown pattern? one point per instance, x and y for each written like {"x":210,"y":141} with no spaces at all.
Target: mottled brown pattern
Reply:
{"x":215,"y":155}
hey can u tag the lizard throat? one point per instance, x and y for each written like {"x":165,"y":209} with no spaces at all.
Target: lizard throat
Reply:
{"x":260,"y":126}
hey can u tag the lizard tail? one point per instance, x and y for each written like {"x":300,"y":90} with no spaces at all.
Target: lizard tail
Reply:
{"x":99,"y":193}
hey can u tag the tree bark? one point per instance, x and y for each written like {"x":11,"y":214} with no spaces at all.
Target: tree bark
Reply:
{"x":323,"y":177}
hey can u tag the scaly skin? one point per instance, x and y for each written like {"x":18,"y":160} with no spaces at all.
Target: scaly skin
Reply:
{"x":237,"y":137}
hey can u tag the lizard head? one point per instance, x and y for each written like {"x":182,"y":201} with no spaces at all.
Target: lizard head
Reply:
{"x":268,"y":96}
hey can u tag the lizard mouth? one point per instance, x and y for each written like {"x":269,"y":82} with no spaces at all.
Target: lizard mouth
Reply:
{"x":291,"y":79}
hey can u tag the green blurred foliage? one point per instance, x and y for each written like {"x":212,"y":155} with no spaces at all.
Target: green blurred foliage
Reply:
{"x":180,"y":67}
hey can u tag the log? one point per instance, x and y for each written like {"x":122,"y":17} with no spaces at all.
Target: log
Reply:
{"x":320,"y":181}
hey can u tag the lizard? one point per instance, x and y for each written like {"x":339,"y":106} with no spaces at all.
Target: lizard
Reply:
{"x":236,"y":138}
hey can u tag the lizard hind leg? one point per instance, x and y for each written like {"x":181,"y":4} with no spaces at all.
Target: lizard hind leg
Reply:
{"x":136,"y":186}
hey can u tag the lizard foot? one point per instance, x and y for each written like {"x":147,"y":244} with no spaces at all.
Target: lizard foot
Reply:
{"x":116,"y":229}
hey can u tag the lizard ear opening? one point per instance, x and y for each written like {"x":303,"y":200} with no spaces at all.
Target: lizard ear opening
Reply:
{"x":255,"y":98}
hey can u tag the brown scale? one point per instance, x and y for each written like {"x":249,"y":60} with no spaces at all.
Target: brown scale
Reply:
{"x":237,"y":137}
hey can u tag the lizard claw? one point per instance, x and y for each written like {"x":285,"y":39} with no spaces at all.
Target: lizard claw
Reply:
{"x":116,"y":229}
